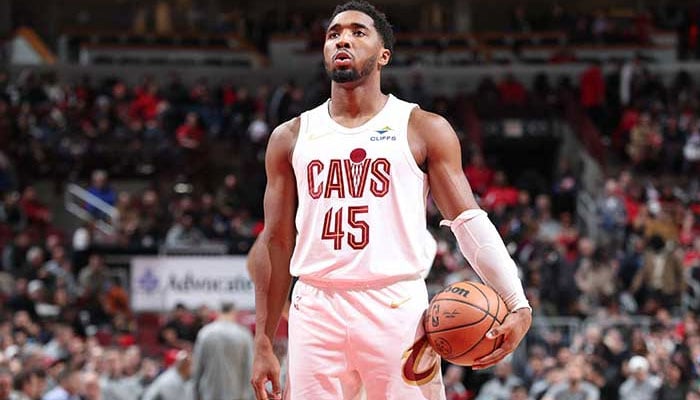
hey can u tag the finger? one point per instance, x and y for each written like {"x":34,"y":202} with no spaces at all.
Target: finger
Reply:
{"x":507,"y":326}
{"x":490,"y":360}
{"x":487,"y":366}
{"x":276,"y":387}
{"x":260,"y":395}
{"x":275,"y":396}
{"x":495,"y":332}
{"x":259,"y":388}
{"x":495,"y":356}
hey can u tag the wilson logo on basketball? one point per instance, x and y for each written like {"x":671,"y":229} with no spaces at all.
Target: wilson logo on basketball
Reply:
{"x":351,"y":177}
{"x":414,"y":372}
{"x":456,"y":290}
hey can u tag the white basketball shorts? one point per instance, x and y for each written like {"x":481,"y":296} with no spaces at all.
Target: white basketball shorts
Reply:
{"x":361,"y":344}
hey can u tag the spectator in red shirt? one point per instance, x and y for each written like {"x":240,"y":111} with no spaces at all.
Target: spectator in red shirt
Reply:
{"x":190,"y":137}
{"x":479,"y":174}
{"x":228,"y":95}
{"x":145,"y":105}
{"x":33,"y":208}
{"x":593,"y":92}
{"x":512,"y":91}
{"x":501,"y":193}
{"x":633,"y":200}
{"x":190,"y":134}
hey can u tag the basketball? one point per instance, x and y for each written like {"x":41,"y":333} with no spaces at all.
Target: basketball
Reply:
{"x":458,"y":319}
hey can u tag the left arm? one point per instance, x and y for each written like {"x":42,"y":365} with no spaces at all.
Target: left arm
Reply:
{"x":435,"y":145}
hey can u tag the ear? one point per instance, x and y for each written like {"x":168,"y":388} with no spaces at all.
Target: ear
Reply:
{"x":384,"y":57}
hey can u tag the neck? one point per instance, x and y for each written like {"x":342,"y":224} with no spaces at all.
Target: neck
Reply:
{"x":357,"y":99}
{"x":229,"y":317}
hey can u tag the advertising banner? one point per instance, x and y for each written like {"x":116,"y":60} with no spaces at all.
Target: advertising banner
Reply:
{"x":159,"y":283}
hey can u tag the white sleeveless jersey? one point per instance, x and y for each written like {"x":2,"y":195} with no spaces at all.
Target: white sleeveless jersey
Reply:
{"x":361,"y":212}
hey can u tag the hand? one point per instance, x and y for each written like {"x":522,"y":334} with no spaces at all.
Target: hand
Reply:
{"x":266,"y":367}
{"x":513,"y":330}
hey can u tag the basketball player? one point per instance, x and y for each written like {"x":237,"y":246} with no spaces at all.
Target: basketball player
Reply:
{"x":345,"y":213}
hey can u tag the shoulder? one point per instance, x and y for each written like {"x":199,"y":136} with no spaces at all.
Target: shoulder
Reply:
{"x":627,"y":384}
{"x":207,"y":330}
{"x":287,"y":130}
{"x":240,"y":330}
{"x":557,"y":388}
{"x":283,"y":139}
{"x":431,"y":134}
{"x":426,"y":121}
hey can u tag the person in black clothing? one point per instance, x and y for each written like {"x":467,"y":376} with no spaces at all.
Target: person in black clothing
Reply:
{"x":183,"y":323}
{"x":675,"y":386}
{"x":20,"y":300}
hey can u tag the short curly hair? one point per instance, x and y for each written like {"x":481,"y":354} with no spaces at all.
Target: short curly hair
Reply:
{"x":381,"y":23}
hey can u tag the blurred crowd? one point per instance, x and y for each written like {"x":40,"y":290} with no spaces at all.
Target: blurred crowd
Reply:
{"x":631,"y":276}
{"x":594,"y":24}
{"x":634,"y":284}
{"x":65,"y":322}
{"x":605,"y":26}
{"x":49,"y":360}
{"x":66,"y":130}
{"x":599,"y":26}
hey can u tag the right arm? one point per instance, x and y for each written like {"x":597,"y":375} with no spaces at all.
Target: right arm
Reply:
{"x":271,"y":267}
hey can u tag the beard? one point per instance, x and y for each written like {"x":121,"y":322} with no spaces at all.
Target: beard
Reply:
{"x":351,"y":74}
{"x":344,"y":75}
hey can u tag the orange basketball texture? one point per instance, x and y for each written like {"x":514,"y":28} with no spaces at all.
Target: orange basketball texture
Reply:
{"x":458,"y":319}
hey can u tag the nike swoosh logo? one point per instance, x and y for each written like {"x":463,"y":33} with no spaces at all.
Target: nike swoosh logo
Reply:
{"x":399,"y":303}
{"x":315,"y":136}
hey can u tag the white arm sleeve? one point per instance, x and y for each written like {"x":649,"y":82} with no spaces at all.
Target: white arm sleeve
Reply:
{"x":482,"y":246}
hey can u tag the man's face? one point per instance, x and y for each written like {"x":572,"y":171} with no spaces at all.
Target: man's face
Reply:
{"x":353,"y":47}
{"x":95,"y":261}
{"x":518,"y":394}
{"x":133,"y":357}
{"x":33,"y":387}
{"x":73,"y":383}
{"x":639,"y":374}
{"x":575,"y":372}
{"x":91,"y":388}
